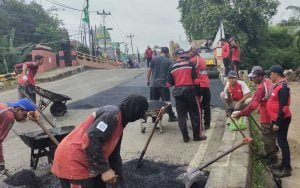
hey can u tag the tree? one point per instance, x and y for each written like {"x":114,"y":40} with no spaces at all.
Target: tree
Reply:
{"x":246,"y":20}
{"x":31,"y":25}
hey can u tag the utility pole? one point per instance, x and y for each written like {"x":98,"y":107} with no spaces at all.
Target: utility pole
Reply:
{"x":104,"y":14}
{"x":131,"y":36}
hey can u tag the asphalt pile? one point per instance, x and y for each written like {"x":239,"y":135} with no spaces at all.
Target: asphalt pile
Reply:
{"x":28,"y":179}
{"x":152,"y":175}
{"x":149,"y":175}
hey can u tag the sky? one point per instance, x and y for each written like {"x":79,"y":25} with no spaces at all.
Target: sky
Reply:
{"x":152,"y":22}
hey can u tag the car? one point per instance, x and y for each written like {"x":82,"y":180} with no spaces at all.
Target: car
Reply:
{"x":210,"y":61}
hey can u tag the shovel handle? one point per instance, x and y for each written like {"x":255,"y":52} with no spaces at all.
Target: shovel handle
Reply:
{"x":244,"y":142}
{"x":40,"y":124}
{"x":255,"y":122}
{"x":237,"y":127}
{"x":158,"y":118}
{"x":38,"y":109}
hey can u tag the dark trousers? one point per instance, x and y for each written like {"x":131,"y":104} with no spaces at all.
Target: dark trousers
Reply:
{"x":86,"y":183}
{"x":29,"y":90}
{"x":283,"y":143}
{"x":148,"y":59}
{"x":163,"y":93}
{"x":187,"y":103}
{"x":205,"y":93}
{"x":226,"y":62}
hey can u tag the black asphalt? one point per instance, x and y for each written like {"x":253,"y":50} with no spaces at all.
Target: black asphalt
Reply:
{"x":137,"y":85}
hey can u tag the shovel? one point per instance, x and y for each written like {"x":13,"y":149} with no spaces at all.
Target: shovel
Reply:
{"x":255,"y":122}
{"x":158,"y":118}
{"x":191,"y":178}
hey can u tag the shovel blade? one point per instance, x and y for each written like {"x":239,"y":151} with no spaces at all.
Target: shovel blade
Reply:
{"x":196,"y":179}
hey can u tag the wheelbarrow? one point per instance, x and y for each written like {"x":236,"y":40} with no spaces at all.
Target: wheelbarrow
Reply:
{"x":58,"y":108}
{"x":41,"y":145}
{"x":152,"y":112}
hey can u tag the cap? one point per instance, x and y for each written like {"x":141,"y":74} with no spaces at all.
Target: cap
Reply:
{"x":180,"y":52}
{"x":231,"y":39}
{"x":232,"y":74}
{"x":24,"y":103}
{"x":277,"y":69}
{"x":164,"y":50}
{"x":256,"y":70}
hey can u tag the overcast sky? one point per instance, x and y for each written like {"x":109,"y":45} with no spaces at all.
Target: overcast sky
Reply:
{"x":153,"y":22}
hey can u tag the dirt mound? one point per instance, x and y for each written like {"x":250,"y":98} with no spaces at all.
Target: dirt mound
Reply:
{"x":293,"y":75}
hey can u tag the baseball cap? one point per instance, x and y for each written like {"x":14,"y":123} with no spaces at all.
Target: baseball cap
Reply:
{"x":277,"y":69}
{"x":232,"y":74}
{"x":164,"y":50}
{"x":24,"y":103}
{"x":256,"y":70}
{"x":180,"y":52}
{"x":231,"y":39}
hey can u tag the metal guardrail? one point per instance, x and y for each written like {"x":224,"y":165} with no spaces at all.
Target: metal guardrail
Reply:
{"x":7,"y":77}
{"x":88,"y":57}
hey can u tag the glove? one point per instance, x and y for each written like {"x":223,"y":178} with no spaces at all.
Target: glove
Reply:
{"x":148,"y":83}
{"x":25,"y":78}
{"x":33,"y":115}
{"x":109,"y":177}
{"x":235,"y":114}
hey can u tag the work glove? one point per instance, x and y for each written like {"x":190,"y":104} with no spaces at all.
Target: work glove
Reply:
{"x":109,"y":177}
{"x":33,"y":115}
{"x":25,"y":78}
{"x":235,"y":114}
{"x":148,"y":83}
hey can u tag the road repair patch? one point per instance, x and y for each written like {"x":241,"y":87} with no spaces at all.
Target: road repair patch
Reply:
{"x":150,"y":175}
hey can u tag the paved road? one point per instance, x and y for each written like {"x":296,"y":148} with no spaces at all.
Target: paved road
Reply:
{"x":100,"y":87}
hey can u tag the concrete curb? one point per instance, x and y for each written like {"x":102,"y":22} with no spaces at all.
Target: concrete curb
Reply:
{"x":61,"y":75}
{"x":234,"y":170}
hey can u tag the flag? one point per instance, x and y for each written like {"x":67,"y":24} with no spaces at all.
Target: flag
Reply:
{"x":86,"y":17}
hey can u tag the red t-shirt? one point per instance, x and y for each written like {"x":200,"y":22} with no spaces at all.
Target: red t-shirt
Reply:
{"x":200,"y":66}
{"x":236,"y":53}
{"x":31,"y":72}
{"x":148,"y":53}
{"x":225,"y":50}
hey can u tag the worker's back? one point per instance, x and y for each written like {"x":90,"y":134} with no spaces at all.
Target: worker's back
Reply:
{"x":160,"y":68}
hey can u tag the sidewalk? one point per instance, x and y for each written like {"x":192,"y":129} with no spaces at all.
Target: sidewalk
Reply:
{"x":59,"y":73}
{"x":293,"y":138}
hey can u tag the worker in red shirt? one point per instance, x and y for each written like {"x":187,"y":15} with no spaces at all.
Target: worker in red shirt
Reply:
{"x":225,"y":55}
{"x":26,"y":80}
{"x":9,"y":113}
{"x":148,"y":55}
{"x":235,"y":55}
{"x":90,"y":155}
{"x":203,"y":82}
{"x":236,"y":94}
{"x":278,"y":107}
{"x":182,"y":75}
{"x":259,"y":100}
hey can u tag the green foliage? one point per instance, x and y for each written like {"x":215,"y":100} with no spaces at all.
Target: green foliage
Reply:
{"x":24,"y":24}
{"x":83,"y":49}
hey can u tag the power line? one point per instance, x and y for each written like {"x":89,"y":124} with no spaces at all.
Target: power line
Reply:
{"x":66,"y":6}
{"x":62,"y":5}
{"x":131,"y":36}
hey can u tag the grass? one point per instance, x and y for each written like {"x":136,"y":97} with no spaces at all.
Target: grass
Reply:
{"x":258,"y":176}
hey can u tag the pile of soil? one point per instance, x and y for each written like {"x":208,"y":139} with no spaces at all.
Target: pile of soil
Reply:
{"x":294,"y":76}
{"x":149,"y":175}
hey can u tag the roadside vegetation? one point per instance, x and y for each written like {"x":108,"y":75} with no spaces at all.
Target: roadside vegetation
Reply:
{"x":24,"y":24}
{"x":249,"y":21}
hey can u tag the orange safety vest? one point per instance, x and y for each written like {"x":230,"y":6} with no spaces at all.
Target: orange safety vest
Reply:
{"x":70,"y":158}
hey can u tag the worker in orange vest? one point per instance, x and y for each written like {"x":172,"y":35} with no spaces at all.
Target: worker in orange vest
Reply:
{"x":90,"y":155}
